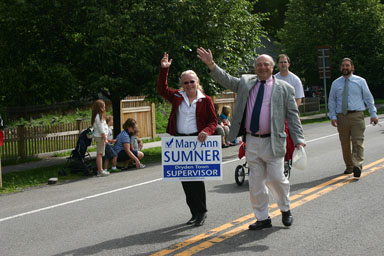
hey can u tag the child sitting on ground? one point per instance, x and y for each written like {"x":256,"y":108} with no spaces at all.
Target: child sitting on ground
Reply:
{"x":110,"y":152}
{"x":224,"y":117}
{"x":221,"y":129}
{"x":136,"y":143}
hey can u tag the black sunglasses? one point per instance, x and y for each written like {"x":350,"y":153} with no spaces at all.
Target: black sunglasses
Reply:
{"x":189,"y":82}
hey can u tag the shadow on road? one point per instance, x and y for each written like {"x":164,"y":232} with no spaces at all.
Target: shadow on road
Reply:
{"x":230,"y":188}
{"x":238,"y":243}
{"x":246,"y":241}
{"x":154,"y":236}
{"x":234,"y":188}
{"x":311,"y":184}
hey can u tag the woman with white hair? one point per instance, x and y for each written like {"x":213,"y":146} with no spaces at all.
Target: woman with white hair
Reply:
{"x":192,"y":114}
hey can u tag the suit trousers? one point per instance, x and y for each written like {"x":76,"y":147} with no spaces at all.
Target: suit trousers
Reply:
{"x":266,"y":173}
{"x":195,"y":196}
{"x":351,"y":128}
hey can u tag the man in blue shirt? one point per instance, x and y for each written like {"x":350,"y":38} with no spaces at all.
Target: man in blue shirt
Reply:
{"x":347,"y":99}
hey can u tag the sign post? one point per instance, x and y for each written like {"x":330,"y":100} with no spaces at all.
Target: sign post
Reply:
{"x":324,"y":64}
{"x":187,"y":159}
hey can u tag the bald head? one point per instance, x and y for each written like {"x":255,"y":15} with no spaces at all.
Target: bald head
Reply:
{"x":264,"y":66}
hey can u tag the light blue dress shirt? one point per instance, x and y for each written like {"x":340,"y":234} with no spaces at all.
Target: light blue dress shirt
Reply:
{"x":358,"y":94}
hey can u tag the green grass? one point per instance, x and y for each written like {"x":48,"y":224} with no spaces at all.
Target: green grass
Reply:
{"x":162,"y":114}
{"x":19,"y":161}
{"x":152,"y":155}
{"x":19,"y":181}
{"x":151,"y":140}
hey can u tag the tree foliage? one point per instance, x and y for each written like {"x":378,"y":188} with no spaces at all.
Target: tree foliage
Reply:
{"x":274,"y":10}
{"x":55,"y":50}
{"x":352,"y":28}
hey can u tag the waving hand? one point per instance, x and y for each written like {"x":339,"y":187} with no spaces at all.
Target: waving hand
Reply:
{"x":165,"y":63}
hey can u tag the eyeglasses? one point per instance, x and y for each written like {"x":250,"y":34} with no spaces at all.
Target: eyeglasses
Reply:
{"x":189,"y":82}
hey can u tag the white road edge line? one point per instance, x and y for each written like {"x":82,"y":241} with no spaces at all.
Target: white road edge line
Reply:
{"x":88,"y":197}
{"x":119,"y":189}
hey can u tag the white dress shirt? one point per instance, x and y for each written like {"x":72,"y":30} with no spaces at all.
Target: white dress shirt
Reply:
{"x":186,"y":114}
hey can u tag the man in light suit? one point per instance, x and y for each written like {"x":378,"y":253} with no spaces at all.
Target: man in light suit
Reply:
{"x":261,"y":120}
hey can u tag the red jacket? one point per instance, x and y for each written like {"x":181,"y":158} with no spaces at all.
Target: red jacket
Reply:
{"x":206,"y":118}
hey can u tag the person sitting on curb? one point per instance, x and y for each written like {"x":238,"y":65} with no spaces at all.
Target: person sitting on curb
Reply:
{"x":221,"y":129}
{"x":137,"y":144}
{"x":123,"y":145}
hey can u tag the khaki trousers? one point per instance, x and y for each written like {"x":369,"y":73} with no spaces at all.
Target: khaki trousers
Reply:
{"x":351,"y":128}
{"x":266,"y":173}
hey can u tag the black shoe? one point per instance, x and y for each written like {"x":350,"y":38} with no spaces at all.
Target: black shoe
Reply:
{"x":348,"y":171}
{"x":260,"y":224}
{"x":356,"y":171}
{"x":287,"y":218}
{"x":200,"y":219}
{"x":192,"y":220}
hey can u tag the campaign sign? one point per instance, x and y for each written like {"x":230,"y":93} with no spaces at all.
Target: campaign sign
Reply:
{"x":187,"y":159}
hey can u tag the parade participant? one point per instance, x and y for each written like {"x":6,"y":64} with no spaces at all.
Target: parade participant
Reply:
{"x":346,"y":106}
{"x":192,"y":114}
{"x":263,"y":104}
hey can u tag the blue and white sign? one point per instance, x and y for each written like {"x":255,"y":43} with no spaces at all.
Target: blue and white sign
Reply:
{"x":187,"y":159}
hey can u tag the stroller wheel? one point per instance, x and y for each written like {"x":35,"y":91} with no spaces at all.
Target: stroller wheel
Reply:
{"x":239,"y":175}
{"x":287,"y":168}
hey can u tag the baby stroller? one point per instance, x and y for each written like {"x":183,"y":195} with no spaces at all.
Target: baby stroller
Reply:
{"x":242,"y":169}
{"x":80,"y":160}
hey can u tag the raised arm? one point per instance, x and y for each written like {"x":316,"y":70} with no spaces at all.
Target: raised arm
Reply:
{"x":206,"y":57}
{"x":162,"y":84}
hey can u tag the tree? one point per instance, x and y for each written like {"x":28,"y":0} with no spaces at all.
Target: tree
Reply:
{"x":114,"y":47}
{"x":352,"y":28}
{"x":275,"y":13}
{"x":35,"y":46}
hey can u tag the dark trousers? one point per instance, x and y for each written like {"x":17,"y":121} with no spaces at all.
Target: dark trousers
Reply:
{"x":195,"y":195}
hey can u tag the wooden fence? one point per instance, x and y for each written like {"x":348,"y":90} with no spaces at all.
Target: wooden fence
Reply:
{"x":310,"y":105}
{"x":142,"y":111}
{"x":24,"y":142}
{"x":225,"y":99}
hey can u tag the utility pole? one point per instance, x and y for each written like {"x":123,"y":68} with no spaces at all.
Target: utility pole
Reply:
{"x":324,"y":64}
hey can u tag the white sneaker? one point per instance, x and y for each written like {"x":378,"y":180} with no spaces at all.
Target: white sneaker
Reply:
{"x":103,"y":173}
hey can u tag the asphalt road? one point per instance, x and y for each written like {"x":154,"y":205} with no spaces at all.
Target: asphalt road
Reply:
{"x":136,"y":213}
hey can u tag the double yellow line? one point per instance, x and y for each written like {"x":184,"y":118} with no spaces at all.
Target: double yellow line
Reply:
{"x":297,"y":199}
